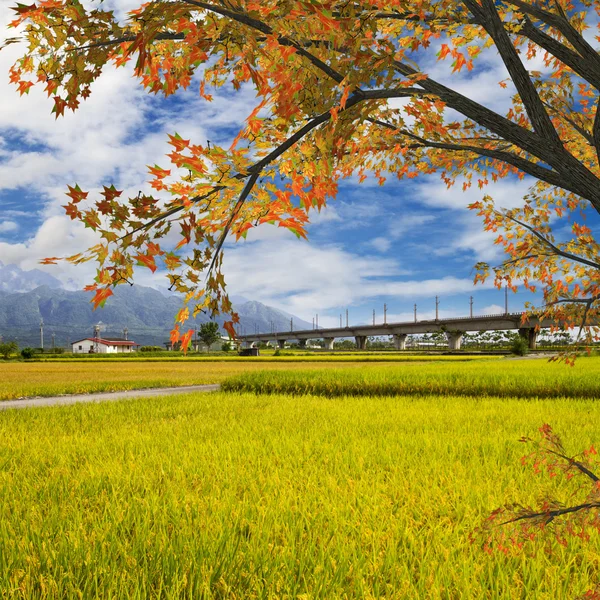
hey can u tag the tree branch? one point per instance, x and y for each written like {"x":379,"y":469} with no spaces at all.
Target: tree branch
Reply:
{"x":554,"y":248}
{"x":268,"y":30}
{"x":562,"y":24}
{"x":522,"y":164}
{"x":585,"y":134}
{"x":573,"y":60}
{"x":550,"y":515}
{"x":487,"y":15}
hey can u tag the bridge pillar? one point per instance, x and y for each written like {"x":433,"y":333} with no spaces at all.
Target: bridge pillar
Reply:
{"x":281,"y":344}
{"x":302,"y":343}
{"x":400,"y":341}
{"x":454,"y":339}
{"x":361,"y":342}
{"x":531,"y":335}
{"x":329,"y":343}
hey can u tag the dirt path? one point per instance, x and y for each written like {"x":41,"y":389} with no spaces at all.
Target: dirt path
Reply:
{"x":105,"y":396}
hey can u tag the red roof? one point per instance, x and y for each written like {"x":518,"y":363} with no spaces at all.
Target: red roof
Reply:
{"x":107,"y":342}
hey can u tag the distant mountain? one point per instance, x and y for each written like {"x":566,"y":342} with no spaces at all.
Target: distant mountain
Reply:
{"x":14,"y":279}
{"x":147,"y":313}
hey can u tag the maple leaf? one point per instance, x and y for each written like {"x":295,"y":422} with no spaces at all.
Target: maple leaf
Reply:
{"x":185,"y":340}
{"x":228,"y":326}
{"x":76,"y":194}
{"x":110,"y":193}
{"x":158,"y":172}
{"x":101,"y":296}
{"x":146,"y":260}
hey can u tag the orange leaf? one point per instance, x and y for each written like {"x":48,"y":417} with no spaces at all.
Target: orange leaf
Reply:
{"x":146,"y":261}
{"x":185,"y":340}
{"x":101,"y":297}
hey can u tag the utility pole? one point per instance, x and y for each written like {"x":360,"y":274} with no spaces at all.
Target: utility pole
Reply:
{"x":96,"y":336}
{"x":126,"y":333}
{"x":340,"y":320}
{"x":53,"y":338}
{"x":373,"y":316}
{"x":506,"y":299}
{"x":42,"y":334}
{"x":415,"y":313}
{"x":471,"y":304}
{"x":317,"y":321}
{"x":291,"y":324}
{"x":437,"y":311}
{"x":385,"y":314}
{"x":346,"y":318}
{"x":313,"y":323}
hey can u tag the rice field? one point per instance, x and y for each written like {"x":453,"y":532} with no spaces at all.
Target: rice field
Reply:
{"x":314,"y":480}
{"x":252,"y":496}
{"x":54,"y":377}
{"x":502,"y":378}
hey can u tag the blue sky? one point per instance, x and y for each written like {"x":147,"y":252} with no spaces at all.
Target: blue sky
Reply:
{"x":400,"y":244}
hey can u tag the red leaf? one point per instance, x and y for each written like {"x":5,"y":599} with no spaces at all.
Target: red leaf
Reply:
{"x":185,"y":340}
{"x":76,"y":194}
{"x":101,"y":297}
{"x":146,"y":261}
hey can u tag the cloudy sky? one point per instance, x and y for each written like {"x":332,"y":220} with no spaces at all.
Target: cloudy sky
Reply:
{"x":400,"y":244}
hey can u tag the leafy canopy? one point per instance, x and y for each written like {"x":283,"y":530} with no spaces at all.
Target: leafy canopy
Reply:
{"x":209,"y":333}
{"x":325,"y":73}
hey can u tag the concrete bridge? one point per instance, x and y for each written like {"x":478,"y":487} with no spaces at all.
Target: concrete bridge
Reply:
{"x":453,"y":328}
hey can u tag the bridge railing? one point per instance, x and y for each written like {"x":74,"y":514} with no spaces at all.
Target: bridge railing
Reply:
{"x":397,"y":324}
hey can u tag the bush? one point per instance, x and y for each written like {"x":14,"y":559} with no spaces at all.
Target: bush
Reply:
{"x":151,"y":349}
{"x":27,"y":352}
{"x":8,"y":348}
{"x":226,"y":347}
{"x":277,"y":352}
{"x":519,"y":346}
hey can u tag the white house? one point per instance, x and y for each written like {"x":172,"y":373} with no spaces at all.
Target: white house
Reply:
{"x":112,"y":346}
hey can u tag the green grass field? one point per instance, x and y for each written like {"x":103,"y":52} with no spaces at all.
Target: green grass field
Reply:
{"x":505,"y":378}
{"x":21,"y":379}
{"x":244,"y":496}
{"x":283,"y":495}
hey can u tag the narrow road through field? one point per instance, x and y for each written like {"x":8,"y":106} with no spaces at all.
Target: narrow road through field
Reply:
{"x":106,"y":396}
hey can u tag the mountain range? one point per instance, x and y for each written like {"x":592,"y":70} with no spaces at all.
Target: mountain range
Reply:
{"x":146,"y":312}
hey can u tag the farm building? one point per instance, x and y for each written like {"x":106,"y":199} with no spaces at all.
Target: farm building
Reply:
{"x":103,"y":346}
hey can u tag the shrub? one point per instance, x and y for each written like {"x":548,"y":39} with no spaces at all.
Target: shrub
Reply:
{"x":151,"y":349}
{"x":226,"y":347}
{"x":8,"y":348}
{"x":27,"y":352}
{"x":519,"y":346}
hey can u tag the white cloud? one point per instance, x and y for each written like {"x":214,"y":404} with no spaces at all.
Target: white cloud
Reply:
{"x":465,"y":232}
{"x":8,"y":226}
{"x":381,"y":244}
{"x":303,"y":279}
{"x":492,"y":309}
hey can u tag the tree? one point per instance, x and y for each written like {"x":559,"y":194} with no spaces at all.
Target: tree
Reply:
{"x":209,"y":334}
{"x":510,"y":527}
{"x":8,"y":348}
{"x":325,"y":74}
